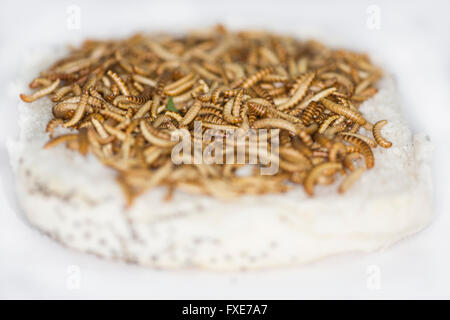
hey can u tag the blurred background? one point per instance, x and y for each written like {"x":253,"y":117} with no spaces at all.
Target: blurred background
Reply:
{"x":409,"y":38}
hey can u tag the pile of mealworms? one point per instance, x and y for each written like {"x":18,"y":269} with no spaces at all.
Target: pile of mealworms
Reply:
{"x":122,"y":99}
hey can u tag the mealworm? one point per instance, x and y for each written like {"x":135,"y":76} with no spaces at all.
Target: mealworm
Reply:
{"x":60,"y":139}
{"x":316,"y":172}
{"x":367,"y":140}
{"x":154,"y":136}
{"x":376,"y":131}
{"x":227,"y":113}
{"x":79,"y":112}
{"x":327,"y":122}
{"x":256,"y":77}
{"x":299,"y":93}
{"x":119,"y":82}
{"x":41,"y":93}
{"x":348,"y":160}
{"x":52,"y":124}
{"x":351,"y":179}
{"x":346,"y":112}
{"x":363,"y":148}
{"x":192,"y":113}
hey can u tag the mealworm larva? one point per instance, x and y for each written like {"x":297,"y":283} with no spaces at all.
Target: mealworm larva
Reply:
{"x":327,"y":122}
{"x":115,"y":132}
{"x":213,"y":119}
{"x":141,"y":79}
{"x":79,"y":112}
{"x":336,"y":151}
{"x":364,"y":148}
{"x":186,"y":85}
{"x":294,"y":155}
{"x":346,"y":112}
{"x":256,"y":77}
{"x":61,"y":92}
{"x":154,"y":136}
{"x":83,"y":141}
{"x":367,"y":140}
{"x":39,"y":82}
{"x":40,"y":93}
{"x":112,"y":115}
{"x":237,"y":102}
{"x":191,"y":113}
{"x":311,"y":98}
{"x":348,"y":160}
{"x":316,"y":172}
{"x":140,"y":99}
{"x":227,"y":113}
{"x":52,"y":124}
{"x":299,"y":93}
{"x":160,"y":51}
{"x":60,"y":139}
{"x":351,"y":179}
{"x":275,"y":123}
{"x":119,"y":82}
{"x":376,"y":131}
{"x":210,"y":110}
{"x":180,"y":81}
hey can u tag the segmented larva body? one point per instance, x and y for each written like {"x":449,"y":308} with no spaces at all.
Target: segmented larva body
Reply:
{"x":316,"y":172}
{"x":140,"y":99}
{"x":367,"y":140}
{"x":348,"y":160}
{"x":346,"y":112}
{"x":309,"y":113}
{"x":180,"y":87}
{"x":227,"y":115}
{"x":327,"y":122}
{"x":60,"y":139}
{"x":214,"y":119}
{"x":351,"y":179}
{"x":79,"y":112}
{"x":191,"y":113}
{"x":263,"y":94}
{"x":41,"y":93}
{"x":299,"y":93}
{"x":210,"y":110}
{"x":376,"y":131}
{"x":257,"y":108}
{"x":237,"y":102}
{"x":52,"y":124}
{"x":154,"y":136}
{"x":119,"y":82}
{"x":256,"y":77}
{"x":364,"y":148}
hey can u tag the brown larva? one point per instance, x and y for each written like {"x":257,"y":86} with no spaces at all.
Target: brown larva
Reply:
{"x":363,"y":148}
{"x":346,"y":112}
{"x":40,"y":93}
{"x":350,"y":179}
{"x":316,"y":172}
{"x":79,"y":112}
{"x":119,"y":82}
{"x":367,"y":140}
{"x":256,"y":77}
{"x":299,"y":93}
{"x":376,"y":131}
{"x":60,"y":139}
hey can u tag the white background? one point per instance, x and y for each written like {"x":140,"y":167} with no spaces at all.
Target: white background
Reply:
{"x":413,"y":41}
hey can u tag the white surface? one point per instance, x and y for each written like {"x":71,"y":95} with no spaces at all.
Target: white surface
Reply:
{"x":412,"y":40}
